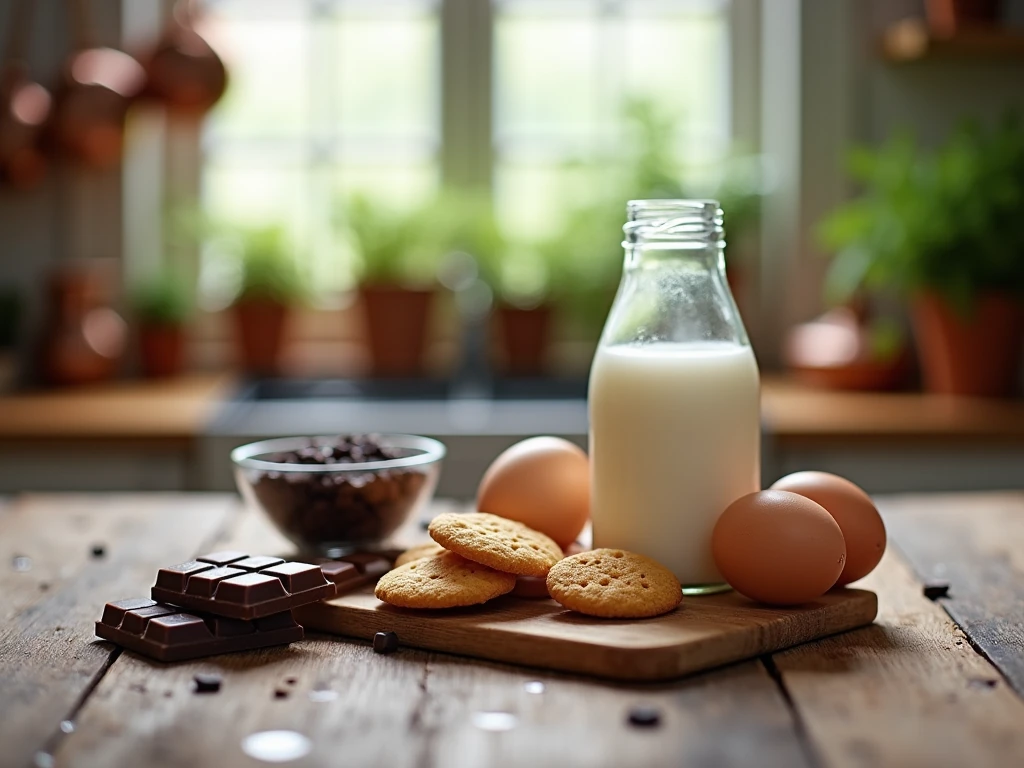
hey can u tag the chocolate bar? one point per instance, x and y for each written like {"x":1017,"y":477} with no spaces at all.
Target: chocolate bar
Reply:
{"x":355,"y":570}
{"x":166,"y":633}
{"x":240,"y":586}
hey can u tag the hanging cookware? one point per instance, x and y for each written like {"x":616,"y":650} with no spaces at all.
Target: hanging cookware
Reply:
{"x":97,"y":86}
{"x":24,"y":107}
{"x":183,"y":71}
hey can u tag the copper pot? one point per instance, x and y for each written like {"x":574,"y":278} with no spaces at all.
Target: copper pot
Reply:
{"x":96,"y":88}
{"x":85,"y":338}
{"x":24,"y":108}
{"x":183,"y":71}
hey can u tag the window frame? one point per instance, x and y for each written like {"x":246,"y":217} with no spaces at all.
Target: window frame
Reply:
{"x":173,"y":155}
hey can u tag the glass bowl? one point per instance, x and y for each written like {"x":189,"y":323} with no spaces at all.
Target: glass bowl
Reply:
{"x":340,"y":507}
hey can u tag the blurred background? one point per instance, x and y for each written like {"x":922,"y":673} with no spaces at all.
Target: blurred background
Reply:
{"x":223,"y":220}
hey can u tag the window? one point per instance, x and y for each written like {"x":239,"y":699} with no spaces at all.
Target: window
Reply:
{"x":564,"y":72}
{"x":329,"y":97}
{"x":326,"y":98}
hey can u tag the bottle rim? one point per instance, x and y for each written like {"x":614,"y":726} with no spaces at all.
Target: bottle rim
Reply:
{"x":686,"y":222}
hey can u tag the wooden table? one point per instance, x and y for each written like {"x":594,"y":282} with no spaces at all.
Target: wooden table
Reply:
{"x":932,"y":683}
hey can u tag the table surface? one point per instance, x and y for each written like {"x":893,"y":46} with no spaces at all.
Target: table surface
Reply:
{"x":931,"y":683}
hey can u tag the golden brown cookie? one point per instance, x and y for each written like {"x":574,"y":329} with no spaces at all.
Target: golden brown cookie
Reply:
{"x":496,"y":542}
{"x":442,"y":581}
{"x":614,"y":584}
{"x":426,"y":549}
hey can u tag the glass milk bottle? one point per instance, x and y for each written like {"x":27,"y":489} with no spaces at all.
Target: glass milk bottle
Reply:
{"x":674,"y":395}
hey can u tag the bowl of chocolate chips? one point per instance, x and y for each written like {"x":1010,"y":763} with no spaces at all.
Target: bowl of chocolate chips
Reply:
{"x":339,"y":493}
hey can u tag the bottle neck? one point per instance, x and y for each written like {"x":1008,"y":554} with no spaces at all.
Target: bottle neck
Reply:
{"x":688,"y":233}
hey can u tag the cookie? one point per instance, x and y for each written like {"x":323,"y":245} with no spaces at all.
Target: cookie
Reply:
{"x":614,"y":584}
{"x":443,"y":581}
{"x":496,"y":542}
{"x":426,"y":549}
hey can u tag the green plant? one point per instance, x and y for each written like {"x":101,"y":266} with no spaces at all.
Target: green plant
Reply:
{"x":948,"y":220}
{"x":269,"y":273}
{"x":162,"y":300}
{"x":396,"y":247}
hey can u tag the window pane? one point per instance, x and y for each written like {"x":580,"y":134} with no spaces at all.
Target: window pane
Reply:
{"x":565,"y":72}
{"x":545,"y":76}
{"x":387,"y":71}
{"x":325,"y":99}
{"x":267,"y":62}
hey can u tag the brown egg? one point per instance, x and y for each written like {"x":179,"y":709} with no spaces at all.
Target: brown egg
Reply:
{"x":543,"y":482}
{"x":856,"y":514}
{"x":778,"y":547}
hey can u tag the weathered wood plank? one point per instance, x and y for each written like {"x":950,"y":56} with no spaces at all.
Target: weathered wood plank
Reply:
{"x":908,"y":691}
{"x":975,"y":544}
{"x":419,"y":709}
{"x":415,"y":709}
{"x":48,"y":655}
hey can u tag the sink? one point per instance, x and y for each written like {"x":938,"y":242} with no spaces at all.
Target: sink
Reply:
{"x":410,"y":389}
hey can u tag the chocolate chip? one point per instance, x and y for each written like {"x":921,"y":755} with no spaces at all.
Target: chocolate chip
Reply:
{"x":280,"y":693}
{"x":98,"y":550}
{"x":644,"y":717}
{"x":385,"y":642}
{"x":207,"y":683}
{"x":936,"y":590}
{"x":291,"y":680}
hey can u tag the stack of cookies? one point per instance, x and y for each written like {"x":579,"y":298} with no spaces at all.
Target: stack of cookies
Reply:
{"x":476,"y":557}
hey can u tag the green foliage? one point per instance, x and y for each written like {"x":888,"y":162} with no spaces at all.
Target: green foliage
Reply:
{"x":585,"y":255}
{"x":949,"y":220}
{"x":269,"y":272}
{"x":164,"y":299}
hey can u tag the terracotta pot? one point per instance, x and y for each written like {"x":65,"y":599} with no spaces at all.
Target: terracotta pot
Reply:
{"x":948,"y":17}
{"x":524,"y":338}
{"x":261,"y":326}
{"x":396,"y":322}
{"x":161,"y":350}
{"x":978,"y":355}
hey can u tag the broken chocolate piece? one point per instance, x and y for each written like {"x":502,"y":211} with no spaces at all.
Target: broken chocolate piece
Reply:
{"x":167,"y":633}
{"x":240,"y":586}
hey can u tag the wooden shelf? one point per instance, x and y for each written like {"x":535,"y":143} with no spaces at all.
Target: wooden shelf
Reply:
{"x":911,"y":40}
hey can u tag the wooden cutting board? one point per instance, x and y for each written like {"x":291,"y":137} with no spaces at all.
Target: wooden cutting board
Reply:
{"x":703,"y":632}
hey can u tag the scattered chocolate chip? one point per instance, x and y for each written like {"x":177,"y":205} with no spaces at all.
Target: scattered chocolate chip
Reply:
{"x":291,"y":680}
{"x":982,"y":682}
{"x":385,"y":642}
{"x":936,"y":590}
{"x":98,"y":550}
{"x":44,"y":585}
{"x":207,"y":683}
{"x":280,"y":693}
{"x":644,"y":717}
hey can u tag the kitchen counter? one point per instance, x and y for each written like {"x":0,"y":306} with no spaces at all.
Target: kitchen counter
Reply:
{"x":177,"y":434}
{"x":183,"y":409}
{"x":175,"y":410}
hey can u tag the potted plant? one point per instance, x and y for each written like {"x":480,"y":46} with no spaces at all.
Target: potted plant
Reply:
{"x":396,"y":285}
{"x":943,"y":229}
{"x":161,"y":308}
{"x":271,"y":287}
